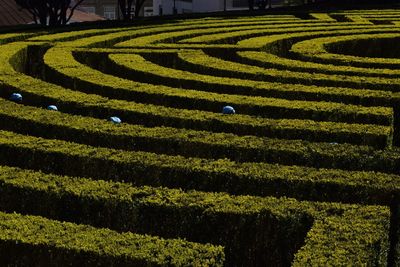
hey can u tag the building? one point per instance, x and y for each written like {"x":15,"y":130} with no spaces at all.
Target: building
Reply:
{"x":11,"y":14}
{"x":109,"y":9}
{"x":168,"y":7}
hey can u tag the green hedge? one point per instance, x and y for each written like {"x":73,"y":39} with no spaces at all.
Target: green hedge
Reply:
{"x":147,"y":67}
{"x":377,"y":46}
{"x":196,"y":35}
{"x":324,"y":249}
{"x":379,"y":117}
{"x":143,"y":168}
{"x":82,"y":77}
{"x":151,"y":115}
{"x":27,"y":240}
{"x":147,"y":34}
{"x":245,"y":38}
{"x":39,"y":93}
{"x":216,"y":65}
{"x":314,"y":50}
{"x":198,"y":60}
{"x":14,"y":37}
{"x":281,"y":44}
{"x":96,"y":132}
{"x":271,"y":60}
{"x":255,"y":231}
{"x":70,"y":35}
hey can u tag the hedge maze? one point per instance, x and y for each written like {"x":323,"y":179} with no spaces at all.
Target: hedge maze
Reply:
{"x":306,"y":173}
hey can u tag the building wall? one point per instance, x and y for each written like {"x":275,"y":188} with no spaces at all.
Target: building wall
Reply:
{"x":110,"y":9}
{"x":186,"y":6}
{"x":166,"y":7}
{"x":207,"y":5}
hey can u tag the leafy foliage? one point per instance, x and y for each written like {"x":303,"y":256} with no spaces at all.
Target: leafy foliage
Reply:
{"x":126,"y":8}
{"x":311,"y":124}
{"x":50,"y":12}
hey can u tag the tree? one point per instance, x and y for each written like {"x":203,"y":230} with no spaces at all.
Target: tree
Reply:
{"x":262,"y":4}
{"x":50,"y":12}
{"x":126,"y":7}
{"x":251,"y":4}
{"x":138,"y":6}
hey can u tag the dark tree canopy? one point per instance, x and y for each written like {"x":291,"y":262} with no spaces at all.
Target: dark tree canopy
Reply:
{"x":126,"y":7}
{"x":50,"y":12}
{"x":251,"y":4}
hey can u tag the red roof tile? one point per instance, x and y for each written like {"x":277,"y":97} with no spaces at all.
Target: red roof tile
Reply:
{"x":81,"y":16}
{"x":12,"y":14}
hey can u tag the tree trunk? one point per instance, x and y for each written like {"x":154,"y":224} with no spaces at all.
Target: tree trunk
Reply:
{"x":122,"y":7}
{"x":138,"y":7}
{"x":126,"y":9}
{"x":52,"y":17}
{"x":42,"y":16}
{"x":63,"y":15}
{"x":129,"y":11}
{"x":251,"y":4}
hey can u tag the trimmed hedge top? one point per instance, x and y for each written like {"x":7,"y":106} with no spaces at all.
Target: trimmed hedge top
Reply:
{"x":305,"y":173}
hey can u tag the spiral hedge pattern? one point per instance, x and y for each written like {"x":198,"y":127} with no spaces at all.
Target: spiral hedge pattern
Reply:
{"x":306,"y":173}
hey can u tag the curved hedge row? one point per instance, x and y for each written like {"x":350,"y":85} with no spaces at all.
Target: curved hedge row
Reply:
{"x":247,"y":226}
{"x":306,"y":173}
{"x":27,"y":240}
{"x":315,"y":48}
{"x":63,"y":66}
